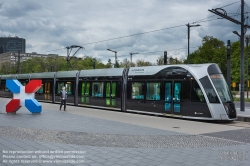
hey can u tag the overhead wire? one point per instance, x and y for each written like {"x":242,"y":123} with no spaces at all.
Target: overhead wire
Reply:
{"x":121,"y":37}
{"x":142,"y":33}
{"x":176,"y":49}
{"x":133,"y":35}
{"x":138,"y":33}
{"x":210,"y":20}
{"x":204,"y":19}
{"x":237,"y":13}
{"x":124,"y":36}
{"x":230,"y":4}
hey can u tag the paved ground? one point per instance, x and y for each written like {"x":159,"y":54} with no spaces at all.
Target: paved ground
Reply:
{"x":243,"y":115}
{"x":83,"y":136}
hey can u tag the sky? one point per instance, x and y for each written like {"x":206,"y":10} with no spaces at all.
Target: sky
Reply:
{"x":49,"y":26}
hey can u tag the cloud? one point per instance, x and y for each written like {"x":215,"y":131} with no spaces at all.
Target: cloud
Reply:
{"x":50,"y":25}
{"x":19,"y":9}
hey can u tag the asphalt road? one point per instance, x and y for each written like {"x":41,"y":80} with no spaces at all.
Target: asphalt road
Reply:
{"x":237,"y":104}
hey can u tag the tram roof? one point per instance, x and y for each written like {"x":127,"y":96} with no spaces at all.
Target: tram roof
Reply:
{"x":198,"y":69}
{"x":66,"y":74}
{"x":23,"y":76}
{"x":5,"y":77}
{"x":102,"y":72}
{"x":43,"y":75}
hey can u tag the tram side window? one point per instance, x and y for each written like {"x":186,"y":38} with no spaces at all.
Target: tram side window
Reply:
{"x":196,"y":93}
{"x":40,"y":90}
{"x":221,"y":87}
{"x":68,"y":88}
{"x":59,"y":87}
{"x":23,"y":83}
{"x":46,"y":88}
{"x":117,"y":90}
{"x":97,"y":89}
{"x":186,"y":92}
{"x":2,"y":87}
{"x":6,"y":89}
{"x":153,"y":91}
{"x":137,"y":90}
{"x":212,"y":97}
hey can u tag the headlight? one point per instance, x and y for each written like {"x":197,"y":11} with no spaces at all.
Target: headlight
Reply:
{"x":226,"y":108}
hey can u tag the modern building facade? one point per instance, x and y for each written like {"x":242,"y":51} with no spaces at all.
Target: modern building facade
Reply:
{"x":12,"y":57}
{"x":12,"y":44}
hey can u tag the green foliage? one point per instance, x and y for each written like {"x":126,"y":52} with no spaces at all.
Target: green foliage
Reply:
{"x":160,"y":60}
{"x":143,"y":63}
{"x":7,"y":68}
{"x":235,"y":62}
{"x":109,"y":64}
{"x":211,"y":51}
{"x":125,"y":63}
{"x":38,"y":65}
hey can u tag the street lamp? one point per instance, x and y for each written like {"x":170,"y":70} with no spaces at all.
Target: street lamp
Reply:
{"x":235,"y":32}
{"x":115,"y":57}
{"x":131,"y":57}
{"x":188,"y":25}
{"x":242,"y":82}
{"x":247,"y":41}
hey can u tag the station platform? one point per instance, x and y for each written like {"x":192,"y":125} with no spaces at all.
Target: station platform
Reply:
{"x":243,"y":115}
{"x":94,"y":137}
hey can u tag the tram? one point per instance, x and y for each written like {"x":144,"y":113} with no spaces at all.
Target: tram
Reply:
{"x":196,"y":91}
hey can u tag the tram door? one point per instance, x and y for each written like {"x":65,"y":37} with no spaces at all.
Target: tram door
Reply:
{"x":85,"y":92}
{"x":47,"y":90}
{"x":110,"y":96}
{"x":173,"y":91}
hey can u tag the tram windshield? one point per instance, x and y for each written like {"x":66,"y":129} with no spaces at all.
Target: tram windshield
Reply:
{"x":221,"y":87}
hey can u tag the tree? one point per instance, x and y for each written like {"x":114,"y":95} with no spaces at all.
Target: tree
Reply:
{"x":211,"y":51}
{"x":125,"y":63}
{"x":7,"y":68}
{"x":235,"y":62}
{"x":160,"y":60}
{"x":143,"y":63}
{"x":109,"y":64}
{"x":34,"y":65}
{"x":173,"y":60}
{"x":117,"y":64}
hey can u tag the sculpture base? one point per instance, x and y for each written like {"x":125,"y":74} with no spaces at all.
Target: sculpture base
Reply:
{"x":11,"y":113}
